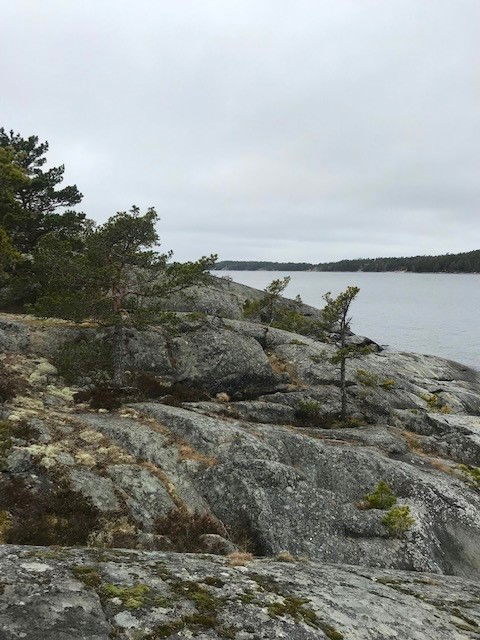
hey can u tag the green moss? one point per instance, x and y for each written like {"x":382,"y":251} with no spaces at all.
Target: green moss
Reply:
{"x":166,"y":630}
{"x":266,"y":583}
{"x":132,"y":597}
{"x":201,"y":597}
{"x":295,"y":608}
{"x":472,"y":475}
{"x":382,"y":497}
{"x":194,"y":622}
{"x":163,"y":601}
{"x":247,"y":598}
{"x":88,"y":575}
{"x":387,"y":384}
{"x":56,"y":554}
{"x":398,"y":521}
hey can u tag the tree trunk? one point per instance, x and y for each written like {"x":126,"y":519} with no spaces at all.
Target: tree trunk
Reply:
{"x":119,"y":355}
{"x":343,"y":390}
{"x":343,"y":386}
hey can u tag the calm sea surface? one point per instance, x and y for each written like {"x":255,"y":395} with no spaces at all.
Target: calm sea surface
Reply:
{"x":428,"y":313}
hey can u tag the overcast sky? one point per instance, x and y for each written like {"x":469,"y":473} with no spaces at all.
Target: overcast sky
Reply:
{"x":260,"y":129}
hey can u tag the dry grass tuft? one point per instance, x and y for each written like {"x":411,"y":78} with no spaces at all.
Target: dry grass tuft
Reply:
{"x":413,"y":442}
{"x":239,"y":558}
{"x":186,"y":452}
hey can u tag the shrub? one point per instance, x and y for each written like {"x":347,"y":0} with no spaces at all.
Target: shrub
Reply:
{"x":104,"y":397}
{"x":114,"y":534}
{"x":101,"y":397}
{"x":308,"y":413}
{"x":349,"y":423}
{"x":85,"y":357}
{"x":370,"y":379}
{"x":150,"y":386}
{"x":366,"y":378}
{"x":285,"y":556}
{"x":5,"y":526}
{"x":184,"y":528}
{"x":10,"y":384}
{"x":472,"y":475}
{"x":55,"y":516}
{"x":8,"y":431}
{"x":291,"y":320}
{"x":251,"y":308}
{"x":398,"y":521}
{"x":434,"y":403}
{"x":382,"y":497}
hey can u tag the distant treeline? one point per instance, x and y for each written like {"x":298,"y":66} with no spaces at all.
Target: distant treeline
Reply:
{"x":468,"y":262}
{"x":240,"y":265}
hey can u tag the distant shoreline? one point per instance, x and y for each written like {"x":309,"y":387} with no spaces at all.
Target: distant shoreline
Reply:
{"x":468,"y":262}
{"x":450,"y":273}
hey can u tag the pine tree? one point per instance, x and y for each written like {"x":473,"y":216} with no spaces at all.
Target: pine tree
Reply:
{"x":32,"y":192}
{"x":8,"y":255}
{"x":266,"y":308}
{"x":118,"y":279}
{"x":337,"y":322}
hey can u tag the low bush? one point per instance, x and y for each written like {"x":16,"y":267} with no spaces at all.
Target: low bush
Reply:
{"x":84,"y":357}
{"x":309,"y":413}
{"x":53,"y":516}
{"x":398,"y":520}
{"x":434,"y":403}
{"x":9,"y":430}
{"x":382,"y":497}
{"x":150,"y":386}
{"x":10,"y":384}
{"x":370,"y":379}
{"x":102,"y":397}
{"x":184,"y":528}
{"x":293,"y":321}
{"x":367,"y":378}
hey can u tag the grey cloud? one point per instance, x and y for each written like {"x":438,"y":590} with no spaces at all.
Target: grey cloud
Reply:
{"x":308,"y":130}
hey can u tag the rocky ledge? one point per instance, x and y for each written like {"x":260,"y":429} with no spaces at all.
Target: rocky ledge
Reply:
{"x":66,"y":594}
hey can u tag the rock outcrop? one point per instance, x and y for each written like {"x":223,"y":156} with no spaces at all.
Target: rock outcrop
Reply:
{"x":230,"y":445}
